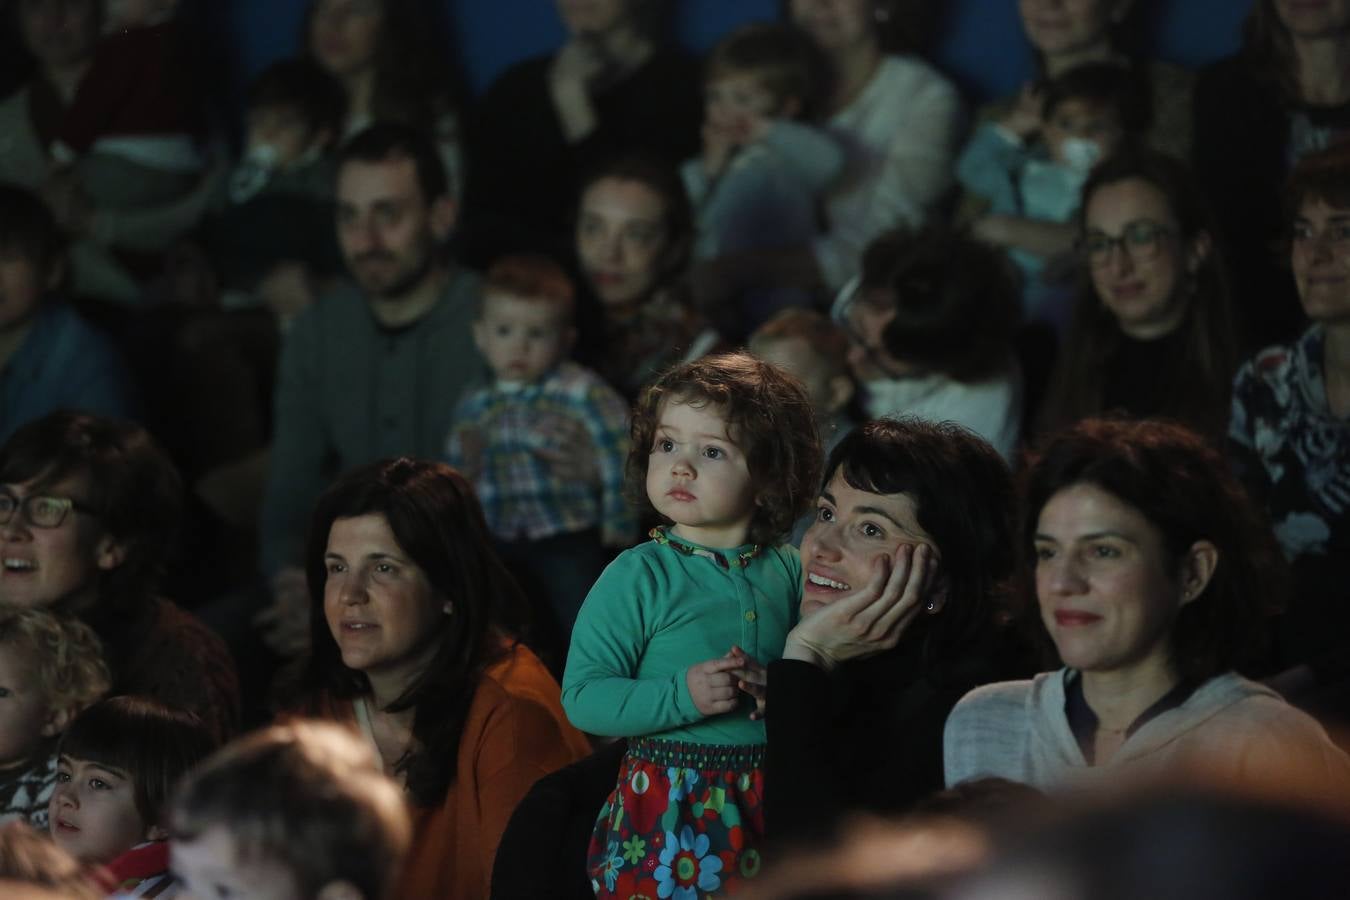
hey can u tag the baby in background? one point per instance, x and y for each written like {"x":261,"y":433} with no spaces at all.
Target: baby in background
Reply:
{"x":293,"y":812}
{"x":132,"y":124}
{"x":814,"y":349}
{"x":1031,"y":166}
{"x":556,"y":535}
{"x":51,"y":668}
{"x":117,"y":765}
{"x":763,"y":166}
{"x":270,"y":231}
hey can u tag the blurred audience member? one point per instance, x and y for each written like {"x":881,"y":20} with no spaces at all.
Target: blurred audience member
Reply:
{"x":1151,"y":333}
{"x":1289,"y":437}
{"x":632,"y":240}
{"x":1285,"y":94}
{"x":931,"y":321}
{"x":612,"y":89}
{"x":50,"y":358}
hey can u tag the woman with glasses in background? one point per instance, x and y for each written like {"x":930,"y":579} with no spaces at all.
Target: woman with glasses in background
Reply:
{"x":89,"y":509}
{"x":930,"y":323}
{"x":1151,"y":333}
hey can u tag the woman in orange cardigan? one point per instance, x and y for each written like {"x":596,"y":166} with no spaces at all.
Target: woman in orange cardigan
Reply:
{"x":415,"y":627}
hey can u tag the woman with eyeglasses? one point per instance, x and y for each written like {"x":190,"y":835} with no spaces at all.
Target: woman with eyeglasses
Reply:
{"x":89,"y":509}
{"x":1289,"y":437}
{"x":1151,"y":331}
{"x":930,"y":323}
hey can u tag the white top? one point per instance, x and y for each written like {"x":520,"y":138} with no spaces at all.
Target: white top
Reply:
{"x":1230,"y":728}
{"x":900,"y":137}
{"x":991,"y":408}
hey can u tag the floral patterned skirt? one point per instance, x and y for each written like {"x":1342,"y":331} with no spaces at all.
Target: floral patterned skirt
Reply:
{"x":684,"y":822}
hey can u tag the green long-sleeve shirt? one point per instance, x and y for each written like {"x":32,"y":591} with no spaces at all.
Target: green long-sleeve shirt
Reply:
{"x":656,"y":611}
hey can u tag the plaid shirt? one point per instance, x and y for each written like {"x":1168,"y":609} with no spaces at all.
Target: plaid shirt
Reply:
{"x":521,"y":497}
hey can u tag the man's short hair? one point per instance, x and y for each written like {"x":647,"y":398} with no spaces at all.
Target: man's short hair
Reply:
{"x":387,"y":141}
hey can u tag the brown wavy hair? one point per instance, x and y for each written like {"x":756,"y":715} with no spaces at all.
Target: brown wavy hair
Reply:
{"x":1186,"y":490}
{"x":768,"y":415}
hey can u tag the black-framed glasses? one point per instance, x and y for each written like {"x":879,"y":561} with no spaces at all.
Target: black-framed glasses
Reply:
{"x":39,"y":510}
{"x":1141,"y":239}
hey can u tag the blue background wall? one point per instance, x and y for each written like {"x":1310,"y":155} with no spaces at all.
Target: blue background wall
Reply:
{"x":982,"y":45}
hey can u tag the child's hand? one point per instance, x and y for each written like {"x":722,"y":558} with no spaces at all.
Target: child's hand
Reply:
{"x":751,"y":678}
{"x":1024,"y":119}
{"x":712,"y":685}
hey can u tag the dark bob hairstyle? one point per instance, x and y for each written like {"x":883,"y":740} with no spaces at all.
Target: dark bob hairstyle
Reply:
{"x":963,"y":496}
{"x":133,"y":490}
{"x":436,"y":519}
{"x":1185,"y":489}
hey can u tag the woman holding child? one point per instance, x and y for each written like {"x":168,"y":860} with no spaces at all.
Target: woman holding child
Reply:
{"x":415,"y":627}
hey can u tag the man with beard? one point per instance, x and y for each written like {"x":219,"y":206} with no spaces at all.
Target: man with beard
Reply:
{"x":374,"y":368}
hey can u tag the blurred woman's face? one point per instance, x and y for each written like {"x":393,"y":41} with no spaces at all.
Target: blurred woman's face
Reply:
{"x":1314,"y":18}
{"x":380,"y":608}
{"x":59,"y":32}
{"x":44,"y":565}
{"x":837,"y":25}
{"x":344,"y":34}
{"x":1320,"y":257}
{"x":1136,"y":257}
{"x":1066,"y":26}
{"x":593,"y":17}
{"x":621,"y":239}
{"x":853,"y":529}
{"x":1107,"y":591}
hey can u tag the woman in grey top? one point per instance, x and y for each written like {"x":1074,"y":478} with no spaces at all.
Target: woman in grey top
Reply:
{"x":1153,"y":578}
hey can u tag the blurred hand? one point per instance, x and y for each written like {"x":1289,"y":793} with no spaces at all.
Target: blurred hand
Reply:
{"x":286,"y":289}
{"x":871,"y":620}
{"x":568,"y":451}
{"x":284,"y":625}
{"x":1024,"y":119}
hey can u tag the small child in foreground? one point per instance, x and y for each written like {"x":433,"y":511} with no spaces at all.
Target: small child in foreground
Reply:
{"x":118,"y":763}
{"x":293,"y":812}
{"x":725,"y":450}
{"x":553,"y":533}
{"x":51,"y":668}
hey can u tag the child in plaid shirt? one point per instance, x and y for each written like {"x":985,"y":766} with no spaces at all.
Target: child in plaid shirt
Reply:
{"x":555,"y":534}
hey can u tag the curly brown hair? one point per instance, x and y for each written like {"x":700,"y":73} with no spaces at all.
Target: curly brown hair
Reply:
{"x":768,"y":415}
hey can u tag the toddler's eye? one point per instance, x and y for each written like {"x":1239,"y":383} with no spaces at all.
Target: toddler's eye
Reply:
{"x":824,"y":514}
{"x":870,"y":529}
{"x":665,"y":445}
{"x":99,"y":784}
{"x":714,"y":453}
{"x":62,"y":777}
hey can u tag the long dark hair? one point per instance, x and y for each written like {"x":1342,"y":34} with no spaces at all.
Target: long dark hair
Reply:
{"x":963,"y":497}
{"x":1204,"y":370}
{"x":436,"y":519}
{"x":1269,"y":51}
{"x":1185,"y":489}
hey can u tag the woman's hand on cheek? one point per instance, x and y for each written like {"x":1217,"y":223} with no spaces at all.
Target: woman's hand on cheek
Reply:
{"x":870,"y":620}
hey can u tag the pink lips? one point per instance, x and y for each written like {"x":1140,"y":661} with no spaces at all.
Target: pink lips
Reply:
{"x":680,"y":495}
{"x":1069,"y":618}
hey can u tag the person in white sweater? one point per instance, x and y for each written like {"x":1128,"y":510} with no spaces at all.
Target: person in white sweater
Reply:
{"x":1154,"y":579}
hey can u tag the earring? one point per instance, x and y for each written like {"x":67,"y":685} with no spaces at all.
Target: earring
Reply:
{"x":931,"y":607}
